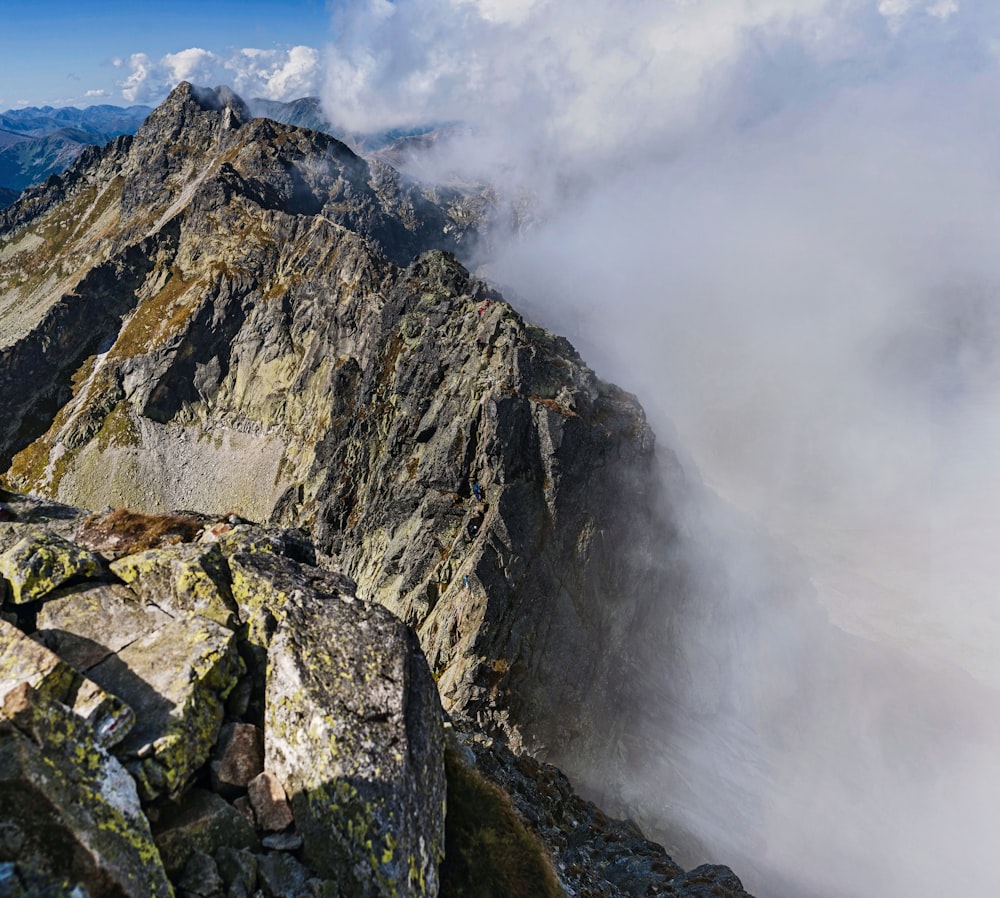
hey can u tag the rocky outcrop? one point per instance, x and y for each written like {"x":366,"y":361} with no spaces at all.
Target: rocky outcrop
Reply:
{"x":40,"y":562}
{"x":69,"y":808}
{"x":264,"y":356}
{"x":348,"y":723}
{"x":363,"y":768}
{"x":26,"y":661}
{"x":298,"y":748}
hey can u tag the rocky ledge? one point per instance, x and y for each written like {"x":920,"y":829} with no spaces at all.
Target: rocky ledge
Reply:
{"x":192,"y":707}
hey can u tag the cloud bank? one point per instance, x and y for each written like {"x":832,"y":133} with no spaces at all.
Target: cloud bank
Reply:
{"x":776,"y":221}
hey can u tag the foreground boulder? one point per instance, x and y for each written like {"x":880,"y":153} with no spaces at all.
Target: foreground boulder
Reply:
{"x":25,"y":661}
{"x":40,"y":562}
{"x":356,"y":739}
{"x":174,"y":672}
{"x":70,"y":810}
{"x":215,"y":649}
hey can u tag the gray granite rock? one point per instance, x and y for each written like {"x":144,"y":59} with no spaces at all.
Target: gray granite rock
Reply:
{"x":68,"y":807}
{"x":353,"y":731}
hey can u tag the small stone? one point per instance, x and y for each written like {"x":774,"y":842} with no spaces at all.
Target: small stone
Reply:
{"x":242,"y":804}
{"x":201,"y":822}
{"x":240,"y":757}
{"x":279,"y":875}
{"x":238,"y":703}
{"x":238,"y":869}
{"x":270,"y":804}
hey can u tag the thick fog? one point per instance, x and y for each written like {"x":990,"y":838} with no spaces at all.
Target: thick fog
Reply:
{"x":776,"y":222}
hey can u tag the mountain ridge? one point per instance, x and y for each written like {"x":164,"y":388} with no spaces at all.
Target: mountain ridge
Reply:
{"x":234,"y":315}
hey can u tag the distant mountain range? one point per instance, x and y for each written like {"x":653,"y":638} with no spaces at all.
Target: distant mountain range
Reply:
{"x":38,"y":142}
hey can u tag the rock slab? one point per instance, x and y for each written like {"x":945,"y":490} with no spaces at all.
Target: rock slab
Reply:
{"x":355,"y":735}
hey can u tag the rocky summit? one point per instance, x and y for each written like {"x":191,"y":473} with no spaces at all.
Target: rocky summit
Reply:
{"x":462,"y":529}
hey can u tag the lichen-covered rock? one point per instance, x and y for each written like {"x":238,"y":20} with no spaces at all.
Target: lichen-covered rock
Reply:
{"x":707,"y":881}
{"x":23,"y":660}
{"x":190,"y":578}
{"x":86,"y":624}
{"x":263,"y":584}
{"x":177,"y":680}
{"x":18,"y":880}
{"x":41,"y":562}
{"x":69,"y":808}
{"x":353,"y":730}
{"x":174,"y":673}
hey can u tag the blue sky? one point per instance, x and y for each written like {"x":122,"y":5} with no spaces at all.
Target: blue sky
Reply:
{"x":58,"y":52}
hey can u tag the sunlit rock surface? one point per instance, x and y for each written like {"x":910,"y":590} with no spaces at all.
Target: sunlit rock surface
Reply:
{"x":329,"y":694}
{"x":355,"y":736}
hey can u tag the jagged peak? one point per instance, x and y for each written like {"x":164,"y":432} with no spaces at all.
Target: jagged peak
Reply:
{"x":187,"y":98}
{"x":220,"y":99}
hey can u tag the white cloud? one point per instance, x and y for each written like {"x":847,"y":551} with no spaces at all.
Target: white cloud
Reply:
{"x":278,"y":74}
{"x":275,"y":75}
{"x":97,"y":93}
{"x":135,"y":87}
{"x":512,"y":12}
{"x":776,"y":222}
{"x":896,"y":10}
{"x":582,"y":76}
{"x":943,"y":9}
{"x":194,"y":64}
